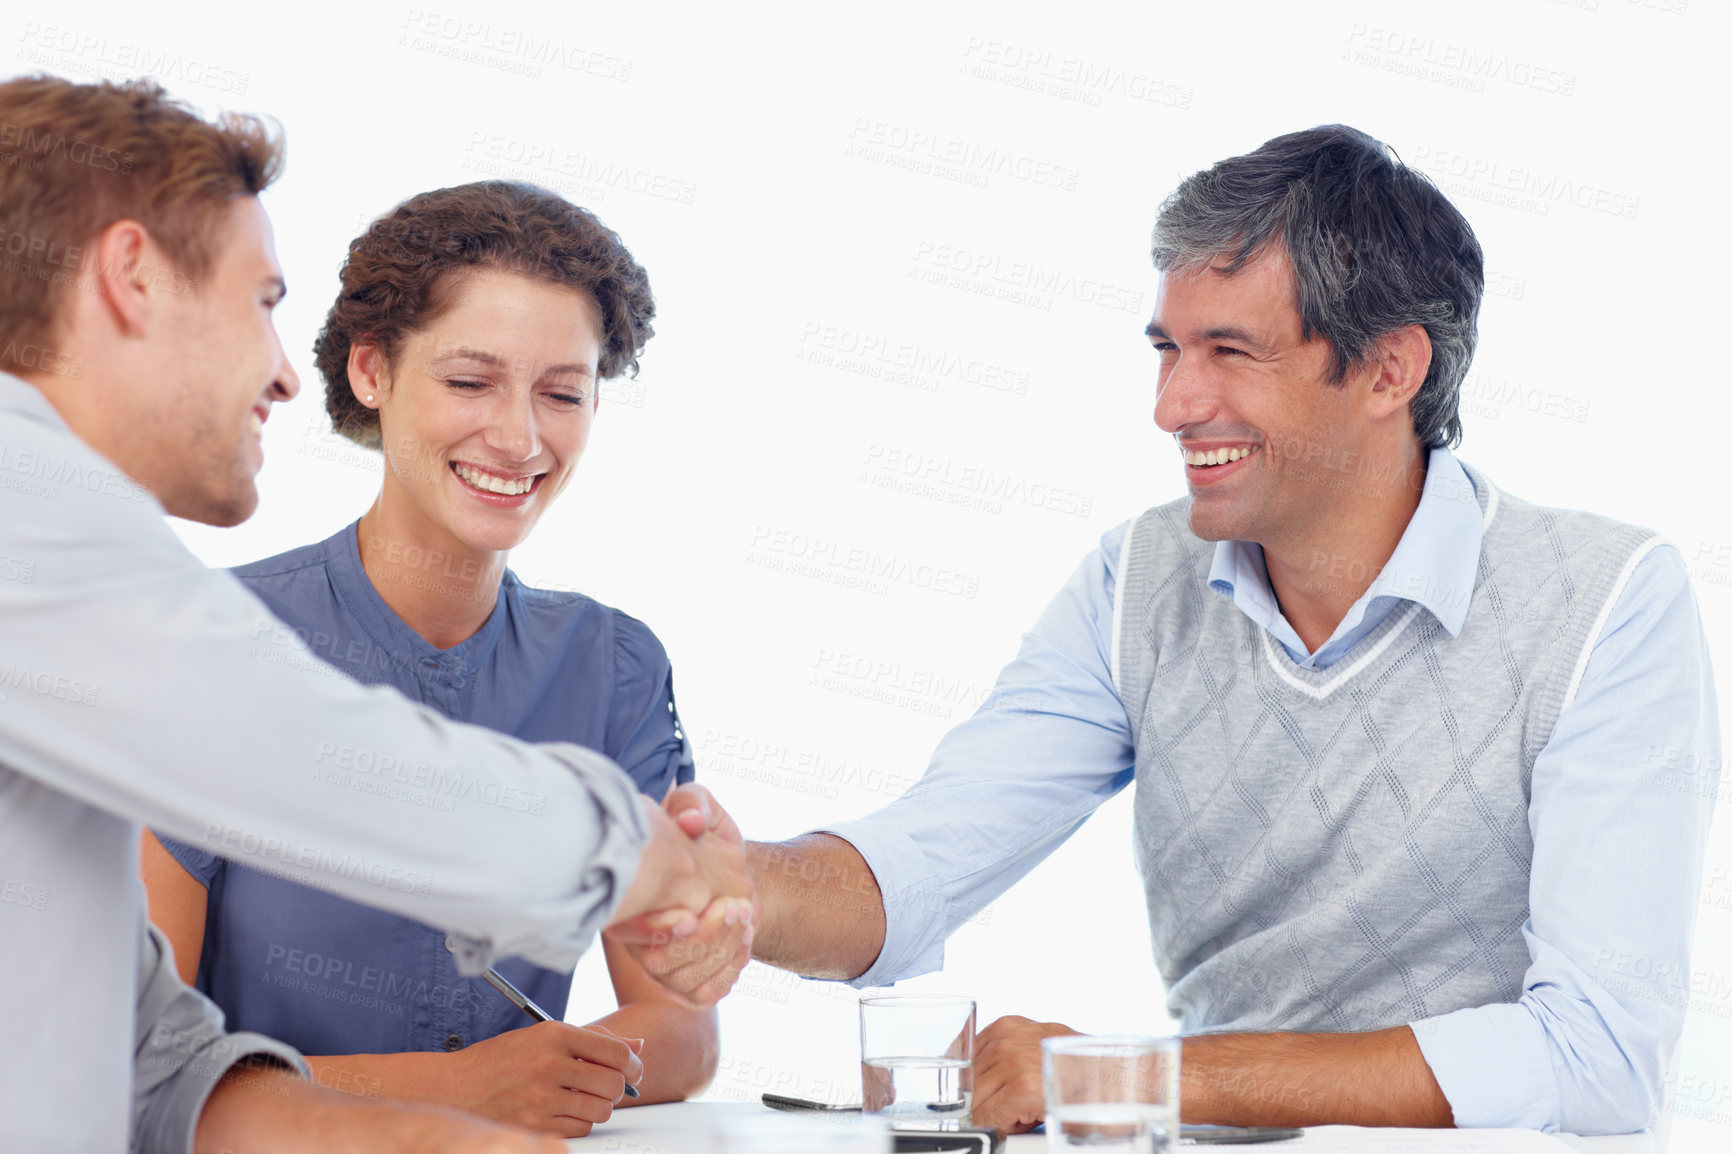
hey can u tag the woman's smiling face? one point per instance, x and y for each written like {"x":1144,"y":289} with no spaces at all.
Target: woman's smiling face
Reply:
{"x":484,"y":413}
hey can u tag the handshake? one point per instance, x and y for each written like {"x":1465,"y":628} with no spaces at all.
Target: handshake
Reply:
{"x":690,"y":913}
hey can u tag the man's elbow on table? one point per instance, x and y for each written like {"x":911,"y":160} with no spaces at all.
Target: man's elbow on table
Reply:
{"x":1542,"y":1064}
{"x":1614,"y":1097}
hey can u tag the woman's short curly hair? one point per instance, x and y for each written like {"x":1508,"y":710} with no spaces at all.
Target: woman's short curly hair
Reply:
{"x":396,"y":279}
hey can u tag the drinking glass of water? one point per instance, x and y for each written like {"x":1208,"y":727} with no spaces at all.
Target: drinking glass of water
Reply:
{"x":1112,"y":1094}
{"x":917,"y":1059}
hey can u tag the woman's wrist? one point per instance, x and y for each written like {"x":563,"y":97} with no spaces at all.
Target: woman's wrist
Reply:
{"x":413,"y":1076}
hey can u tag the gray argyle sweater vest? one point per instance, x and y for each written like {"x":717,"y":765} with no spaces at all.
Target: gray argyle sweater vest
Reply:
{"x":1347,"y":849}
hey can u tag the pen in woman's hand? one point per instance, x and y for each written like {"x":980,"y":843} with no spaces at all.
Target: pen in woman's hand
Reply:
{"x":523,"y":1002}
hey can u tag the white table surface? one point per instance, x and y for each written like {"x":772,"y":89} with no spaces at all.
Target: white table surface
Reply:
{"x":685,"y":1127}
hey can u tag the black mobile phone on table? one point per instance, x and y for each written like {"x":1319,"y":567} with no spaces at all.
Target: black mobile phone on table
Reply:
{"x":784,"y":1102}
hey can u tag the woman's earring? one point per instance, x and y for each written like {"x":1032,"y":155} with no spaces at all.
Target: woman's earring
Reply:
{"x":369,"y":398}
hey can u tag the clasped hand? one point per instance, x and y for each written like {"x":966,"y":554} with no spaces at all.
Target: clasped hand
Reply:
{"x":689,"y":916}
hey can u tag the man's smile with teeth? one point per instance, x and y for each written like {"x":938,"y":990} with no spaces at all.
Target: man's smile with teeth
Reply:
{"x":490,"y":483}
{"x":1216,"y":456}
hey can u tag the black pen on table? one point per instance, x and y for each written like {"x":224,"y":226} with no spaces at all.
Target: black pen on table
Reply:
{"x":523,"y":1002}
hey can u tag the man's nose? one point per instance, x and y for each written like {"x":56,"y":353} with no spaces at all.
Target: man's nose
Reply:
{"x":287,"y":385}
{"x":1183,"y":396}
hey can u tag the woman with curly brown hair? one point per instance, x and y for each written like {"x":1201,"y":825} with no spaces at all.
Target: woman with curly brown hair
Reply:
{"x":472,"y":330}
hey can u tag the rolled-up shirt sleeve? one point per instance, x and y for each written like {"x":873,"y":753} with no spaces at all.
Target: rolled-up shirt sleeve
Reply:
{"x":181,"y":1052}
{"x":1006,"y":787}
{"x":1621,"y":799}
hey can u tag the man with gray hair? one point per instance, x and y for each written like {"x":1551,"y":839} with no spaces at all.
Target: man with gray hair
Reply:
{"x":1393,"y":731}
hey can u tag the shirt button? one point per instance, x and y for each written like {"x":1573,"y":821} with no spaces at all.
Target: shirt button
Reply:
{"x":453,"y":1042}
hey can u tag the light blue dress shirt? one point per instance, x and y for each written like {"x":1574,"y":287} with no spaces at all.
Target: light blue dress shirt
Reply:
{"x":1619,"y":808}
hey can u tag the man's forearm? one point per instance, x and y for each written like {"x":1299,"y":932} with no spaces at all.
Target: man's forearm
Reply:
{"x":1372,"y":1079}
{"x":823,"y":913}
{"x":265,"y":1110}
{"x":261,"y":1109}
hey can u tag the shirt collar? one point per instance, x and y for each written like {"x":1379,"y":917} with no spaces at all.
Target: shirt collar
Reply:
{"x":1433,"y":564}
{"x":1437,"y":558}
{"x":20,"y":396}
{"x":349,"y":576}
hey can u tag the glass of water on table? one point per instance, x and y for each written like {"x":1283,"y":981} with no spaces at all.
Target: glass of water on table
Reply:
{"x":917,"y":1059}
{"x":1111,"y":1093}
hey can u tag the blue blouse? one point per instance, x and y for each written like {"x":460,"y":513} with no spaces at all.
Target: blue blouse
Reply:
{"x":330,"y":976}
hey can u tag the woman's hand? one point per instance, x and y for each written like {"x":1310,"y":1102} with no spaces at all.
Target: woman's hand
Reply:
{"x":552,"y":1077}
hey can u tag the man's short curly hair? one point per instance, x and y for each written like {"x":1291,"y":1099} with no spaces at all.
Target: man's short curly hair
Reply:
{"x":397,"y":278}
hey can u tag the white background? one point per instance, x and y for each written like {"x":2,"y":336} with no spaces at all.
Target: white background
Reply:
{"x":817,"y":192}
